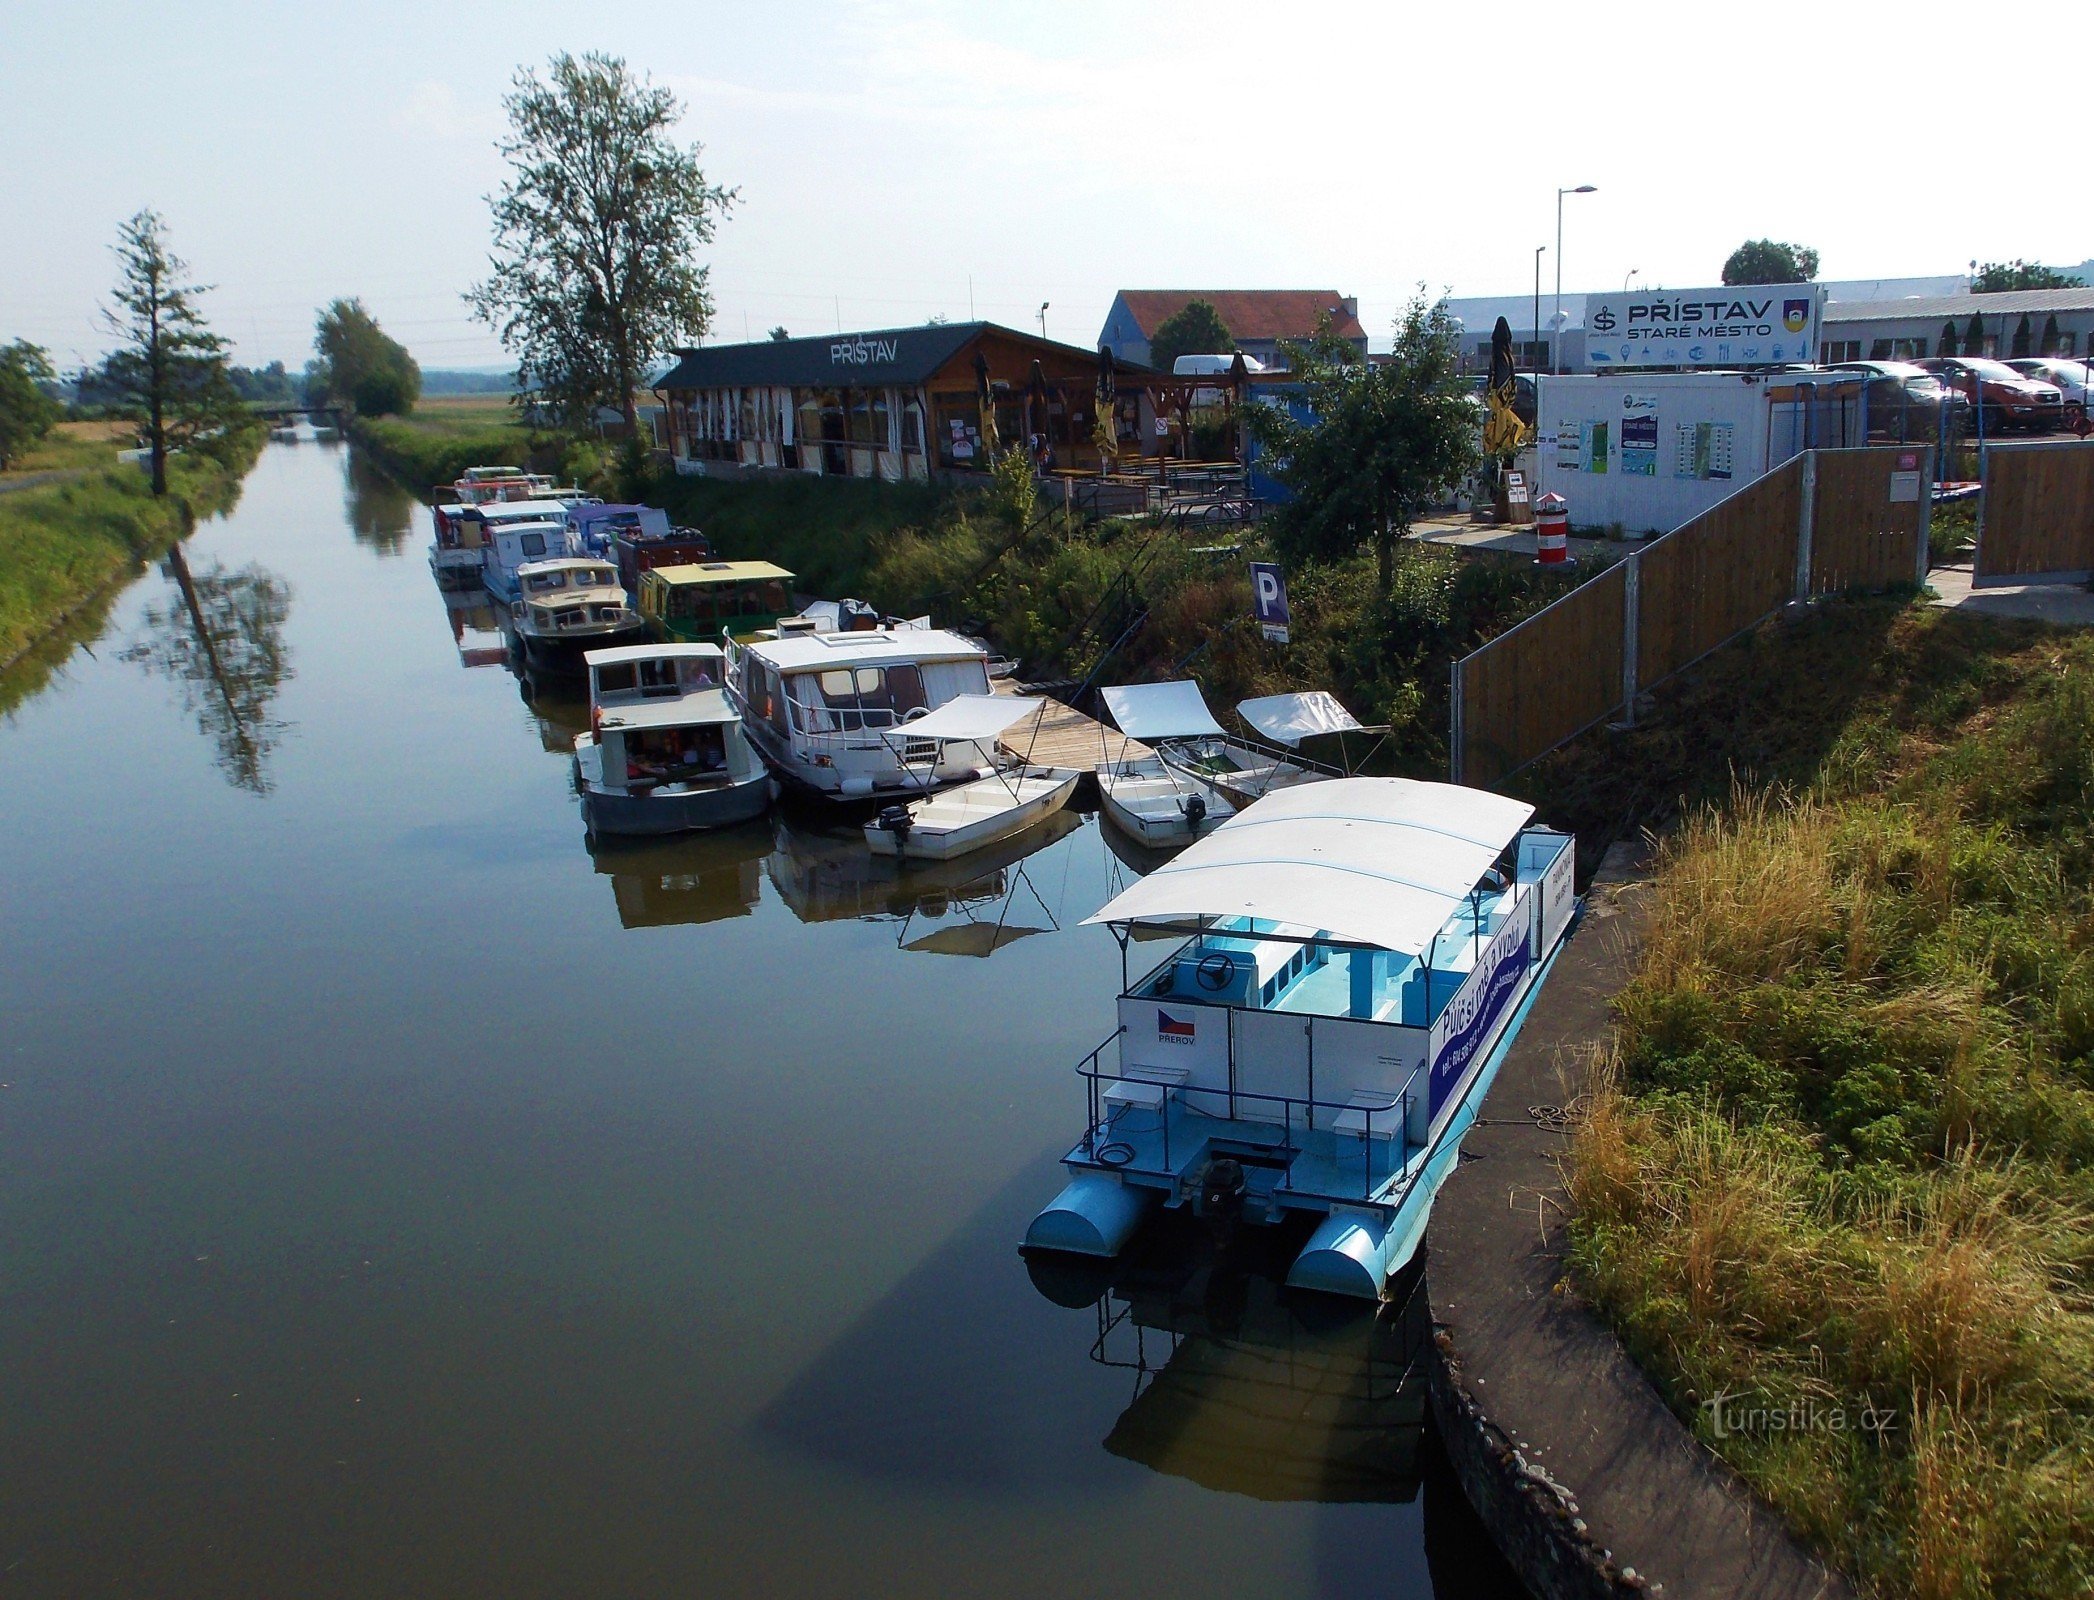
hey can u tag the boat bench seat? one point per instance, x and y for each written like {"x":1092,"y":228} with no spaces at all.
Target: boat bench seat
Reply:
{"x":1146,"y":1086}
{"x":1383,"y":1110}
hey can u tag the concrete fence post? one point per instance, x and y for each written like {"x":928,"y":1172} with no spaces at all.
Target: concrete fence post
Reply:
{"x":1806,"y":523}
{"x":1455,"y":731}
{"x":1631,"y":617}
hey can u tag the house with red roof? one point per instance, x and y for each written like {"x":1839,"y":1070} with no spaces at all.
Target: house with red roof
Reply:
{"x":1259,"y":320}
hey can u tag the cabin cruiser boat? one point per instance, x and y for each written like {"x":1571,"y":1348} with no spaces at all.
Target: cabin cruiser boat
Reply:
{"x":820,"y":706}
{"x":1356,"y":958}
{"x":1010,"y":799}
{"x":665,"y":751}
{"x":705,"y":599}
{"x":569,"y":606}
{"x":512,"y":534}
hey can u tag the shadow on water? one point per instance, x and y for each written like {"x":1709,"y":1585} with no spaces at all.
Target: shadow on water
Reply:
{"x":688,"y":879}
{"x":220,"y":640}
{"x":379,"y":507}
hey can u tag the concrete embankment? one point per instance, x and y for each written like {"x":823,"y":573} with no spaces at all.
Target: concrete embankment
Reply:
{"x":1589,"y":1484}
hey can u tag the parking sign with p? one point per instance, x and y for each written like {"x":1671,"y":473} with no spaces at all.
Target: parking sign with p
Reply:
{"x":1269,"y":600}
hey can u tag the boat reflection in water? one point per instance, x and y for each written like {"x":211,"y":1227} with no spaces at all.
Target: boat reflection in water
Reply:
{"x":981,"y":901}
{"x":475,"y":628}
{"x":686,"y":878}
{"x":1243,"y":1385}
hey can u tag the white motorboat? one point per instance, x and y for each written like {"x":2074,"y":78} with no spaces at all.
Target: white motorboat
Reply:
{"x":665,"y":751}
{"x":1349,"y":963}
{"x":954,"y":821}
{"x":1155,"y":805}
{"x":1173,"y":718}
{"x":820,"y":706}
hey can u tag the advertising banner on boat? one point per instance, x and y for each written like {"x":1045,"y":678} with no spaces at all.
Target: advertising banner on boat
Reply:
{"x":1465,"y":1026}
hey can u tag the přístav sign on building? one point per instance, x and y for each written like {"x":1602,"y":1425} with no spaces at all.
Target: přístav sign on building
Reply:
{"x":1754,"y":325}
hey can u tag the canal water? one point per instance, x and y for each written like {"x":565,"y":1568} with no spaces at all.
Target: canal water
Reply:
{"x":398,"y":1198}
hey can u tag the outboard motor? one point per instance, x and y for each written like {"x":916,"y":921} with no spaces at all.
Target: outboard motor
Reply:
{"x":1195,"y":808}
{"x":895,"y":820}
{"x":1222,"y":1187}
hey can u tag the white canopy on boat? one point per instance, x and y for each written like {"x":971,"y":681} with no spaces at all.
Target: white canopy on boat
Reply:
{"x":965,"y":717}
{"x":1290,"y":718}
{"x":1375,"y":861}
{"x":1160,"y":710}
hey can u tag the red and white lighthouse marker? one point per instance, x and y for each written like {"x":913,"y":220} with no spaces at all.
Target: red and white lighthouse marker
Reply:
{"x":1552,"y":531}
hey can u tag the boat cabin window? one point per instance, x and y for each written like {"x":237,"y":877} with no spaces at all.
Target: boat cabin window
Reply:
{"x":896,"y":690}
{"x":545,"y":582}
{"x":668,"y":752}
{"x":656,"y":679}
{"x":532,"y":545}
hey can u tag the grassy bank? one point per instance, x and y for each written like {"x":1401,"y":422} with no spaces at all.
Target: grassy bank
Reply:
{"x":61,"y":544}
{"x":1838,"y":1198}
{"x":443,"y":436}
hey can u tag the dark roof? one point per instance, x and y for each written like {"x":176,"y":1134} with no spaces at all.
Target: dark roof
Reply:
{"x":1936,"y":308}
{"x":856,"y":360}
{"x":1248,"y":313}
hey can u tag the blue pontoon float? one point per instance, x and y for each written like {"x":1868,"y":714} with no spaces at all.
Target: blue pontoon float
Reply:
{"x":1357,"y":956}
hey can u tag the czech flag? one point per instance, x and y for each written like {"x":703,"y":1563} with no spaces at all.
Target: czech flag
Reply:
{"x":1171,"y":1028}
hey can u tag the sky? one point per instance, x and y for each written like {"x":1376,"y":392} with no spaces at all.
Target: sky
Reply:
{"x":897,"y":161}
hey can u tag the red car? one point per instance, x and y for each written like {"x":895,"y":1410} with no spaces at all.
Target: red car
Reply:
{"x":2006,"y":397}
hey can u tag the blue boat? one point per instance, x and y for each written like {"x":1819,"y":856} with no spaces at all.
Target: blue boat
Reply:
{"x":1353,"y":959}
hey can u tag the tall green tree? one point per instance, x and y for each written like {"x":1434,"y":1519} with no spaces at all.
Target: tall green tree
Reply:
{"x":1948,"y":338}
{"x":359,"y":365}
{"x":169,"y":366}
{"x":1974,"y":335}
{"x":2022,"y":335}
{"x":597,"y":234}
{"x":1196,"y":330}
{"x":26,"y":411}
{"x":1999,"y":277}
{"x":1382,"y":443}
{"x":2051,"y":337}
{"x":1770,"y":261}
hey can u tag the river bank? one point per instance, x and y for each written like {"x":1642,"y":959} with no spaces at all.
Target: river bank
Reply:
{"x":1835,"y":1196}
{"x":67,"y":542}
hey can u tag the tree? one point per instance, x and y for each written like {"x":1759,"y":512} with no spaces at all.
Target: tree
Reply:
{"x":1948,"y":338}
{"x":1974,"y":335}
{"x":26,"y":411}
{"x":170,"y":364}
{"x":1382,"y":443}
{"x":1770,"y":261}
{"x":2022,"y":336}
{"x":359,"y":365}
{"x":1999,"y":277}
{"x":1196,"y":330}
{"x":779,"y":335}
{"x":596,"y":235}
{"x":2051,"y":338}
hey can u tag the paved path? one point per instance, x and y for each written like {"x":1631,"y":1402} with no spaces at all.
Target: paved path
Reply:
{"x":2070,"y":605}
{"x":1546,"y":1418}
{"x":1461,"y":534}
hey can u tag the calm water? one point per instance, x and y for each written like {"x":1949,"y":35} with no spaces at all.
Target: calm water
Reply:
{"x":396,"y":1199}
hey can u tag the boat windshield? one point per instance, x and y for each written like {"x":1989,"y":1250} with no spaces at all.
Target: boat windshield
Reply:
{"x":870,"y":697}
{"x":656,"y":679}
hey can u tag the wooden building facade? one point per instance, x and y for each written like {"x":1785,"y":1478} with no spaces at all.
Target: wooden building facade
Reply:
{"x":912,"y":403}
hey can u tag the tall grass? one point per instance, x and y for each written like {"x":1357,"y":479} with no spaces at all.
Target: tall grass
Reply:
{"x":1846,"y":1154}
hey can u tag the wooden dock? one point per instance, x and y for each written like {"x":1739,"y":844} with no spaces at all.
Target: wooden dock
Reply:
{"x":1063,"y":737}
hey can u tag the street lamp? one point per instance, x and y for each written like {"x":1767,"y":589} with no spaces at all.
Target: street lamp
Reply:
{"x":1583,"y":188}
{"x":1538,"y":249}
{"x":1043,"y":319}
{"x":1626,"y":276}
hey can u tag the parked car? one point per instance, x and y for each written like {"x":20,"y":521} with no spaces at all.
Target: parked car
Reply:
{"x":1906,"y":402}
{"x":2071,"y":378}
{"x":2008,"y":399}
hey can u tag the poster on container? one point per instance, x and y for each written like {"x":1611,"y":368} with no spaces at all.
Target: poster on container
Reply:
{"x":1595,"y":445}
{"x":1753,"y":325}
{"x":1639,"y":436}
{"x":1570,"y":446}
{"x":1702,"y":450}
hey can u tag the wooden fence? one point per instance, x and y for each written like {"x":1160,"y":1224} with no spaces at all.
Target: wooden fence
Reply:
{"x":1822,"y":523}
{"x":2035,"y":514}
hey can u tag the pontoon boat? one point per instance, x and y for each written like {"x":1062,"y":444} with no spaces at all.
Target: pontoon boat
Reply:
{"x":1358,"y":956}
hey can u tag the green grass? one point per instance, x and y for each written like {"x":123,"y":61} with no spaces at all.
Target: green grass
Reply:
{"x":73,"y":446}
{"x":1847,"y":1159}
{"x":430,"y":447}
{"x":62,"y":543}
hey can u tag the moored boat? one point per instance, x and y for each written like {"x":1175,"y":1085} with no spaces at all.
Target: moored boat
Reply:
{"x":704,"y":599}
{"x":1173,"y":720}
{"x":1356,"y":957}
{"x":820,"y":705}
{"x":567,"y":607}
{"x":665,"y":751}
{"x":968,"y":816}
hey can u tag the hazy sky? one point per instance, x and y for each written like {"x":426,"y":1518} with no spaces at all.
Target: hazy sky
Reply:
{"x":885,"y":153}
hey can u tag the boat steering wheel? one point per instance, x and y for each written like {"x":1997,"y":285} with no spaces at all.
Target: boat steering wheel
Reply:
{"x":1215,"y":972}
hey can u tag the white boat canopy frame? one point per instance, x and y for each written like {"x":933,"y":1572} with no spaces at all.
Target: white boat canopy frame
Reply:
{"x":1150,"y":711}
{"x":1290,"y":718}
{"x":965,"y":719}
{"x":1372,"y":861}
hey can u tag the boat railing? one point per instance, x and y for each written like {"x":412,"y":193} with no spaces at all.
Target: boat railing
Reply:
{"x":1284,"y":1114}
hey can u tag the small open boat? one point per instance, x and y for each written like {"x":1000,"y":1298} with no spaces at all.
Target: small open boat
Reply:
{"x":1232,"y":771}
{"x":968,"y":816}
{"x":1156,"y":806}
